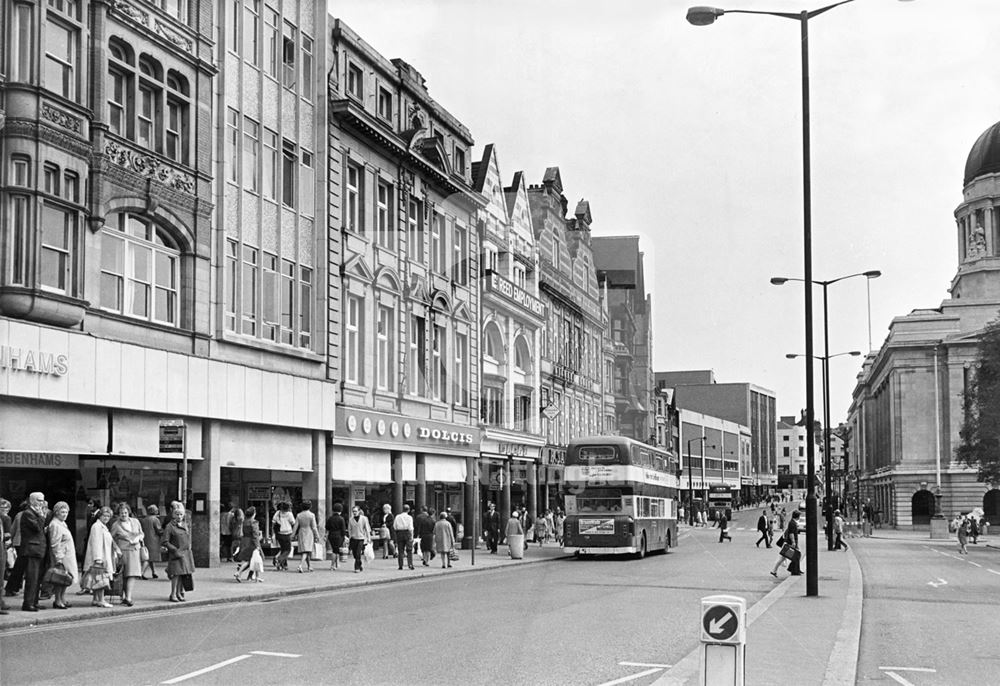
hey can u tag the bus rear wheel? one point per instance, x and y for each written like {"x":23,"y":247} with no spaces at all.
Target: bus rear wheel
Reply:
{"x":642,"y":547}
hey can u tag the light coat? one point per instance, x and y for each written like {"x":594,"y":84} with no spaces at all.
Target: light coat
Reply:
{"x":444,"y":537}
{"x":63,"y":549}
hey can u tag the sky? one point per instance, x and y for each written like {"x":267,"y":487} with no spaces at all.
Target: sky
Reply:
{"x":690,"y":137}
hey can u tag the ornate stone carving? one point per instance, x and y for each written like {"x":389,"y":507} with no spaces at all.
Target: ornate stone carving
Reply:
{"x":149,"y":166}
{"x":136,"y":15}
{"x":172,"y":36}
{"x":977,"y":242}
{"x":63,"y":119}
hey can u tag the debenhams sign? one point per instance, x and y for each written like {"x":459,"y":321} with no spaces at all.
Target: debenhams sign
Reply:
{"x":32,"y":361}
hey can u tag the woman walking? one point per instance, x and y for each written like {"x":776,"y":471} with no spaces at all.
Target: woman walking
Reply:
{"x":336,"y":531}
{"x":360,"y":532}
{"x":152,"y":532}
{"x":100,"y":558}
{"x":385,"y":529}
{"x":306,"y":533}
{"x":963,"y":537}
{"x":127,"y":534}
{"x":444,"y":539}
{"x":792,"y":539}
{"x":62,"y":552}
{"x":249,"y":542}
{"x":284,"y":524}
{"x":180,"y":560}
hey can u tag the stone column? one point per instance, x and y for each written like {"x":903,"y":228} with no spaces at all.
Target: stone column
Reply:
{"x":397,"y":481}
{"x":505,"y":507}
{"x":420,"y":494}
{"x":532,"y":484}
{"x":316,"y":483}
{"x":206,"y":482}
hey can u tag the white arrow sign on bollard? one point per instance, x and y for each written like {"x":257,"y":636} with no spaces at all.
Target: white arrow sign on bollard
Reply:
{"x":723,"y":640}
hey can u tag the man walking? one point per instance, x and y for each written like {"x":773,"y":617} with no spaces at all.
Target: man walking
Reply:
{"x":33,"y":547}
{"x":424,"y":530}
{"x":491,"y":522}
{"x":838,"y":531}
{"x":403,"y":526}
{"x":723,"y":524}
{"x":765,"y":530}
{"x":3,"y":555}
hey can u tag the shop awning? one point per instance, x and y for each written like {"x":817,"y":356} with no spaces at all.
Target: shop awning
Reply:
{"x":355,"y":465}
{"x":27,"y":427}
{"x":444,"y":469}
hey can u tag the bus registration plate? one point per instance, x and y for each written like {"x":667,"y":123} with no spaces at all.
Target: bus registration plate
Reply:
{"x":597,"y":526}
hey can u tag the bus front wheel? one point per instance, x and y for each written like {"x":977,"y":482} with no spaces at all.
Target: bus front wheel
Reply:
{"x":642,"y":547}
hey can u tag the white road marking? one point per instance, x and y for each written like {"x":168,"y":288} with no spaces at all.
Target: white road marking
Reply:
{"x":993,"y":571}
{"x":191,"y":675}
{"x":974,"y":564}
{"x":626,"y":679}
{"x":269,"y":654}
{"x":910,"y":669}
{"x":643,"y":664}
{"x":900,"y":679}
{"x":939,"y":582}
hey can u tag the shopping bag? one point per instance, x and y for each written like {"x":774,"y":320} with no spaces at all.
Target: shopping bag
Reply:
{"x":319,"y":552}
{"x":187,"y":582}
{"x":257,"y":561}
{"x":369,"y":552}
{"x":789,"y":552}
{"x":58,"y":576}
{"x":453,"y":555}
{"x":117,"y":583}
{"x":143,"y":553}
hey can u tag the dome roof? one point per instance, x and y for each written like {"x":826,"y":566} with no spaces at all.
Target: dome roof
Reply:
{"x":984,"y":158}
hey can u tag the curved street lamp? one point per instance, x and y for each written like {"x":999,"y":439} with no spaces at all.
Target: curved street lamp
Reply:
{"x":703,"y":16}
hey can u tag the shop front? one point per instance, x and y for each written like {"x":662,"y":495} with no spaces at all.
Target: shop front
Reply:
{"x":376,"y":458}
{"x":509,"y":474}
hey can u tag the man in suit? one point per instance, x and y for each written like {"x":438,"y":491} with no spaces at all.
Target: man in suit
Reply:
{"x":491,"y":523}
{"x":33,"y":547}
{"x":4,"y":533}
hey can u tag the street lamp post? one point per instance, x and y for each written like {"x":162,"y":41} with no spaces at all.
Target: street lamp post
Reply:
{"x":690,"y":485}
{"x":703,"y":16}
{"x":777,"y":281}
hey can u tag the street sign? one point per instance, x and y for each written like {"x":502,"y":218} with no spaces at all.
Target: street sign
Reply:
{"x":171,"y":435}
{"x":720,"y":623}
{"x":723,"y":641}
{"x":551,"y":412}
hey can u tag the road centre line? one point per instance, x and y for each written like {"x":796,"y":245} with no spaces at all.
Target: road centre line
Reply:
{"x":974,"y":564}
{"x":270,"y":654}
{"x":626,"y":679}
{"x":643,"y":664}
{"x":206,"y":670}
{"x":909,"y":669}
{"x":993,"y":571}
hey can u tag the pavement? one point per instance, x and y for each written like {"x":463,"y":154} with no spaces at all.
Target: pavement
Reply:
{"x":216,"y":585}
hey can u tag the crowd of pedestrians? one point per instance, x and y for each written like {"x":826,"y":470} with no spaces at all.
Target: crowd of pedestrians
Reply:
{"x":40,"y":562}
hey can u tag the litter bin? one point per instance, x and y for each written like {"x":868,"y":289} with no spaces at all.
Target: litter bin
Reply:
{"x":515,"y":544}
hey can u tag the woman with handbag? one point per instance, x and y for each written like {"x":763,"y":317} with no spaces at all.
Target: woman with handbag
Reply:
{"x":100,"y":558}
{"x":62,"y":552}
{"x":444,"y":539}
{"x":790,"y":549}
{"x":152,"y":532}
{"x":249,"y":541}
{"x":336,"y":532}
{"x":180,"y":560}
{"x":360,"y":533}
{"x":127,"y":534}
{"x":306,"y":533}
{"x":385,"y":530}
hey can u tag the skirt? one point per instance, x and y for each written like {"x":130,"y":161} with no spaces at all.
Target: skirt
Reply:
{"x":181,"y":565}
{"x":131,"y":563}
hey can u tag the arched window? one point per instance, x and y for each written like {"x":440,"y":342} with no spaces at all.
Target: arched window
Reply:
{"x":493,"y":343}
{"x":139,"y":270}
{"x":522,"y":355}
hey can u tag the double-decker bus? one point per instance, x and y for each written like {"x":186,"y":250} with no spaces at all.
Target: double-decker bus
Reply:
{"x":621,"y":497}
{"x":720,"y":499}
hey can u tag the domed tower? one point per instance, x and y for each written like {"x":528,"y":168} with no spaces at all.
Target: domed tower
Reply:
{"x":978,"y":223}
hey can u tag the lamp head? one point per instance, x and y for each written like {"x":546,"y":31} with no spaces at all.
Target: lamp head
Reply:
{"x":778,"y":280}
{"x":703,"y":16}
{"x":854,"y":353}
{"x":791,"y":356}
{"x":872,"y":274}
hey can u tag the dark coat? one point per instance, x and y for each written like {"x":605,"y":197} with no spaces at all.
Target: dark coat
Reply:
{"x":762,"y":524}
{"x":423,"y":527}
{"x":491,"y":522}
{"x":177,"y":539}
{"x":33,"y":542}
{"x":249,"y":539}
{"x":792,"y":532}
{"x":336,"y":531}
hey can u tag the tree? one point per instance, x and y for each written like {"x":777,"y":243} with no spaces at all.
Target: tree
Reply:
{"x":980,"y":433}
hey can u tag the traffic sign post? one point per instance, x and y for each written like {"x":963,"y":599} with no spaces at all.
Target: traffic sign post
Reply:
{"x":723,"y":640}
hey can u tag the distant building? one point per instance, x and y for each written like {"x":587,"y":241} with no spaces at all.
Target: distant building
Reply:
{"x":907,"y":412}
{"x":743,"y":403}
{"x":711,"y":449}
{"x":619,"y":264}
